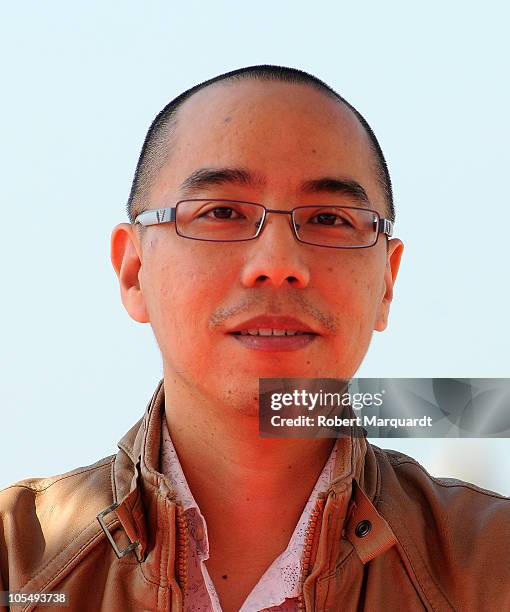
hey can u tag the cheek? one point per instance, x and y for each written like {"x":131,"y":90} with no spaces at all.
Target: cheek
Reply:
{"x":353,"y":290}
{"x":181,"y":294}
{"x":183,"y":291}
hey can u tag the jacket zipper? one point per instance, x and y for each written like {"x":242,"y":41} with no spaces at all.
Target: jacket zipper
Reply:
{"x":310,"y":546}
{"x":182,"y":549}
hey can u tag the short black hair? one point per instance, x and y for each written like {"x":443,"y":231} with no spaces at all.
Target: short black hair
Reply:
{"x":152,"y":155}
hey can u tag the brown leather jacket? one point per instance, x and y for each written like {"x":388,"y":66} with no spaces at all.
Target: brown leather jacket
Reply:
{"x":387,"y":537}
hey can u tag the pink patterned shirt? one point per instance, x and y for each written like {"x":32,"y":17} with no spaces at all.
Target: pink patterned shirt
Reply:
{"x":279,"y":587}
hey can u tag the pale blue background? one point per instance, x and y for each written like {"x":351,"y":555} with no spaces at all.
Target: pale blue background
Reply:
{"x":81,"y":82}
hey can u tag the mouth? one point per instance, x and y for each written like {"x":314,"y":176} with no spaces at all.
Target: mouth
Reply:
{"x":274,"y":334}
{"x":267,"y":340}
{"x":266,"y":332}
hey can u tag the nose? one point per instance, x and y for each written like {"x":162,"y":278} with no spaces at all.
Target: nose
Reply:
{"x":276,"y":257}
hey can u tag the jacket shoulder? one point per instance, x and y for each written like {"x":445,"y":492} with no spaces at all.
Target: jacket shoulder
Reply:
{"x":396,"y":467}
{"x":453,"y":533}
{"x":40,"y":518}
{"x":42,"y":483}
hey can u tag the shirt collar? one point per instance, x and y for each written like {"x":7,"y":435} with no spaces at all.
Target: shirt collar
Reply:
{"x":137,"y":479}
{"x":171,"y":467}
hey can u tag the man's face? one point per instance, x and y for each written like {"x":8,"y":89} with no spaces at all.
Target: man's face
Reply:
{"x":197,"y":294}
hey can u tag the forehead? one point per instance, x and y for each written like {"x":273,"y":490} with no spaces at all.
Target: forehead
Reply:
{"x":284,"y":132}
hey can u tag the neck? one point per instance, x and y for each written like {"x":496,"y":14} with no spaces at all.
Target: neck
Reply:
{"x":224,"y":459}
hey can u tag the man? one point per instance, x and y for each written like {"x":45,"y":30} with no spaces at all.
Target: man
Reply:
{"x":197,"y":511}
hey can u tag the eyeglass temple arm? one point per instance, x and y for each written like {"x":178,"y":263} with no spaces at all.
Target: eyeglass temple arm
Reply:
{"x":386,"y":227}
{"x":153,"y":217}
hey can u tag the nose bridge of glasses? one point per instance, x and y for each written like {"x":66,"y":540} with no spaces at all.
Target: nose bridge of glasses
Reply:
{"x":271,"y":211}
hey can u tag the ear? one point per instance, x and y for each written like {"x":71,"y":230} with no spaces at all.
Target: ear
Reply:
{"x":125,"y":254}
{"x":393,"y":254}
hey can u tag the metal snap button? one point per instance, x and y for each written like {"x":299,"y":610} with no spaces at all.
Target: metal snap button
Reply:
{"x":362,"y":528}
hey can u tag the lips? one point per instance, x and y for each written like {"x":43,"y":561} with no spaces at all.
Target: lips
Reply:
{"x":274,"y":333}
{"x":275,"y":343}
{"x":271,"y":332}
{"x":268,"y":326}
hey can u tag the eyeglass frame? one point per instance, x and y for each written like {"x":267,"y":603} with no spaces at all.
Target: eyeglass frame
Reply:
{"x":158,"y":215}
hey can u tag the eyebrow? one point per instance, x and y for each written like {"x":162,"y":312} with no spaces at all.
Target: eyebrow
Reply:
{"x":207,"y":177}
{"x":335,"y":185}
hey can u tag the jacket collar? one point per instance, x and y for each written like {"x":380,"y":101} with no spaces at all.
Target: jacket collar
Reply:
{"x":137,"y":481}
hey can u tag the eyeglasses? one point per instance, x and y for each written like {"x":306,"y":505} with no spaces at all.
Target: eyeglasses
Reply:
{"x":218,"y":220}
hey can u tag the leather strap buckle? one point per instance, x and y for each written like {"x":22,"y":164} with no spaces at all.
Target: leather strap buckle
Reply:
{"x":118,"y":552}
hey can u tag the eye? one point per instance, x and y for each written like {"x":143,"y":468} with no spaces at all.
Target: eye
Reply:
{"x":329,"y":218}
{"x":221,"y":212}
